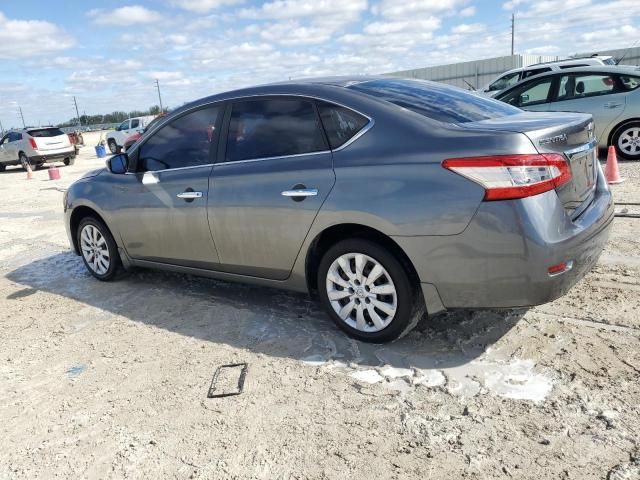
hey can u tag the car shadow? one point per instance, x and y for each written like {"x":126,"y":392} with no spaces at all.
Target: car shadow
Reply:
{"x":264,"y":320}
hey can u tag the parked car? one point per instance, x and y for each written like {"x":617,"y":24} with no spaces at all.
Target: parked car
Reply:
{"x":36,"y":146}
{"x":136,"y":136}
{"x":515,"y":75}
{"x":116,"y":139}
{"x":610,"y":94}
{"x":383,"y":197}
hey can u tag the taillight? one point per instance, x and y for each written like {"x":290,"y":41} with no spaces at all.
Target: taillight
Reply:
{"x":507,"y":177}
{"x":33,"y":143}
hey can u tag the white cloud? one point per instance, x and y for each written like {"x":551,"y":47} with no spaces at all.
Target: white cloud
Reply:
{"x":465,"y":28}
{"x":468,"y":12}
{"x":204,"y":6}
{"x":26,"y":38}
{"x":124,"y":16}
{"x":409,"y":8}
{"x":283,"y":9}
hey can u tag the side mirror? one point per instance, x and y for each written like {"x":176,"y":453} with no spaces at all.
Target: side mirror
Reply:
{"x":118,"y":164}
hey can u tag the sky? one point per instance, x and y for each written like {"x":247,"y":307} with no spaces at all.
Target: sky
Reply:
{"x":108,"y":53}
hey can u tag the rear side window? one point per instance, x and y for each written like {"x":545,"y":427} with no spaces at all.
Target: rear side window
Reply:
{"x":135,"y":123}
{"x":630,"y":82}
{"x":435,"y":100}
{"x":46,"y":132}
{"x":15,"y":136}
{"x":273,"y":128}
{"x":340,"y":123}
{"x":184,"y":142}
{"x":590,"y":85}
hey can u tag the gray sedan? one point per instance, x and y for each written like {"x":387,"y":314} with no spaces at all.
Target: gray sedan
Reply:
{"x":610,"y":94}
{"x":385,"y":198}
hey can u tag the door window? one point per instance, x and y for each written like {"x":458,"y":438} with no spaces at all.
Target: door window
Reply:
{"x":14,"y":136}
{"x":340,"y":123}
{"x":184,"y":142}
{"x":589,"y":85}
{"x":273,"y":128}
{"x":4,"y":140}
{"x":123,"y":126}
{"x":533,"y":93}
{"x":135,"y":123}
{"x":505,"y":82}
{"x":630,"y":82}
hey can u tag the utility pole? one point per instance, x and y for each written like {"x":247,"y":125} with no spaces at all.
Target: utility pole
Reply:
{"x":1,"y":128}
{"x":77,"y":112}
{"x":513,"y":33}
{"x":159,"y":97}
{"x":22,"y":116}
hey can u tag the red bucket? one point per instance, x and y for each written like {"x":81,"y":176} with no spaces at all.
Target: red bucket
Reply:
{"x":54,"y":173}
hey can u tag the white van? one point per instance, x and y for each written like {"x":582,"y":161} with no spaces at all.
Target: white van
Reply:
{"x":511,"y":77}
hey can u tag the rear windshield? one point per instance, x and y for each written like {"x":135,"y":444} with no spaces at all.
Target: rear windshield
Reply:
{"x":435,"y":100}
{"x":46,"y":132}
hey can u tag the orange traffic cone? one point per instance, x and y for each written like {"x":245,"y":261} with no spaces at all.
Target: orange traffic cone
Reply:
{"x":29,"y":172}
{"x":611,"y":170}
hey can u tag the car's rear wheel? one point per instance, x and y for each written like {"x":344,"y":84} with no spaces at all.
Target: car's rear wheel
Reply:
{"x":98,"y":249}
{"x":113,"y":146}
{"x":367,"y":291}
{"x":24,"y":161}
{"x":3,"y":167}
{"x":69,"y":161}
{"x":626,"y":140}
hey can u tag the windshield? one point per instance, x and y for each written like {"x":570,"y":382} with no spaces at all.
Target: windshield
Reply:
{"x":46,"y":132}
{"x":437,"y":101}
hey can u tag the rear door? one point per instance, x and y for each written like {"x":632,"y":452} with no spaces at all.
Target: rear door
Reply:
{"x":274,"y":171}
{"x":600,"y":94}
{"x":161,"y":209}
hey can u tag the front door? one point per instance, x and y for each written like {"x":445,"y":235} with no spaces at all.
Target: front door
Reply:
{"x":4,"y":156}
{"x":275,"y":172}
{"x":161,"y":208}
{"x":599,"y":94}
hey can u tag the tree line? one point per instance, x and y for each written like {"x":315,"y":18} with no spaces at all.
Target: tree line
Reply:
{"x":113,"y":117}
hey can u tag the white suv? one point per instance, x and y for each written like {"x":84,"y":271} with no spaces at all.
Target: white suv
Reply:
{"x":36,"y":146}
{"x":117,"y":138}
{"x":511,"y":77}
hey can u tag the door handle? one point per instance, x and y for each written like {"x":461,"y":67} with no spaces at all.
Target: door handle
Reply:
{"x":612,"y":105}
{"x":300,"y":192}
{"x":189,"y":195}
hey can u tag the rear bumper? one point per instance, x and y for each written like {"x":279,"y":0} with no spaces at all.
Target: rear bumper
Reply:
{"x":53,"y":157}
{"x":502,"y":257}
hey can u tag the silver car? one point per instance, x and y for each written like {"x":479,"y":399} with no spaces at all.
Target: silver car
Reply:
{"x":385,"y":198}
{"x":610,"y":94}
{"x":36,"y":146}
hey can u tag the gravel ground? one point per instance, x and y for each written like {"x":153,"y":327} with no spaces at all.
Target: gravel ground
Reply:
{"x":110,"y":380}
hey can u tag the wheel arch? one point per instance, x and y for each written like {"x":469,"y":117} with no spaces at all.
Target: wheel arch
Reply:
{"x":80,"y":212}
{"x":335,"y":233}
{"x":618,"y":126}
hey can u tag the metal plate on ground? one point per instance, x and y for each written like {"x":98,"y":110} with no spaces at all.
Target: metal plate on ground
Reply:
{"x":228,"y":380}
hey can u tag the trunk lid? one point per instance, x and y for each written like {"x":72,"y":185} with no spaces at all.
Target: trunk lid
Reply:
{"x":570,"y":134}
{"x":50,"y":138}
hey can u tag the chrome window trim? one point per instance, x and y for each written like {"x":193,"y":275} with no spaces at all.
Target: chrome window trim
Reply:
{"x":171,"y":169}
{"x":360,"y":133}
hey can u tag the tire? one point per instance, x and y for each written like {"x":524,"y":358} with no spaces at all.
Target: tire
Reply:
{"x":113,"y":146}
{"x":3,"y":167}
{"x":626,"y":141}
{"x":91,"y":245}
{"x":360,"y":307}
{"x":69,"y":161}
{"x":24,"y":161}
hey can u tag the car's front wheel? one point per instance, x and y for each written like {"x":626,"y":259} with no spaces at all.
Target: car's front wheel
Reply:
{"x":69,"y":161}
{"x":367,"y":291}
{"x":626,"y":140}
{"x":98,"y":249}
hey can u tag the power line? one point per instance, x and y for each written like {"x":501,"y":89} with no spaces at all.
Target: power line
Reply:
{"x":77,"y":112}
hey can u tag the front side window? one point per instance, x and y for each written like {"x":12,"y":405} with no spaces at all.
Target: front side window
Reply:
{"x":273,"y":128}
{"x":340,"y":123}
{"x":123,"y":126}
{"x":505,"y":82}
{"x":184,"y":142}
{"x":579,"y":86}
{"x":533,"y":93}
{"x":4,"y":140}
{"x":437,"y":101}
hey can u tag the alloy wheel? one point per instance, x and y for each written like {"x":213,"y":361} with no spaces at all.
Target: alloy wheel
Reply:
{"x":94,"y":249}
{"x":361,"y":292}
{"x":629,"y":141}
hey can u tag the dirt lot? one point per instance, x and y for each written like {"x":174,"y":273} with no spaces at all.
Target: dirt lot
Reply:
{"x":110,"y":380}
